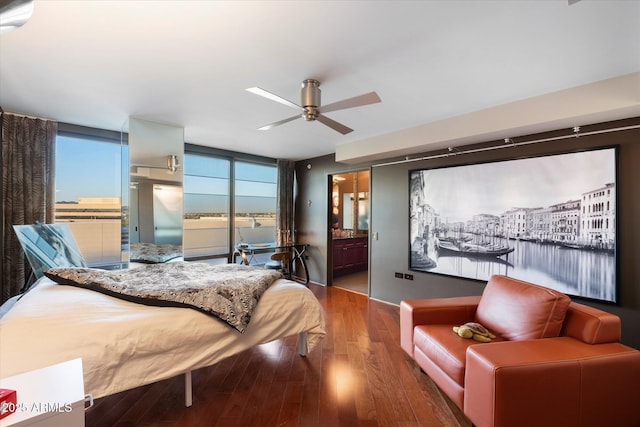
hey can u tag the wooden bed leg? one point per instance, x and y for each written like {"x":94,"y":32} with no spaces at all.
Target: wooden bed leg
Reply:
{"x":302,"y":343}
{"x":188,"y":391}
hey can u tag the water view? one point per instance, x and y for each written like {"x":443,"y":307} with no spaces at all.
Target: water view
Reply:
{"x":573,"y":271}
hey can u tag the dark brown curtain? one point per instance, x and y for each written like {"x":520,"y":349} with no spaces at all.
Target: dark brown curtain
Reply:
{"x":28,"y":189}
{"x":284,"y":202}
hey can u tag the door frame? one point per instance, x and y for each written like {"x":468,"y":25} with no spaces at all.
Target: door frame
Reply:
{"x":329,"y":222}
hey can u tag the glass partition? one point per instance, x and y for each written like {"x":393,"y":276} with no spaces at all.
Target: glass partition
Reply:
{"x":156,"y":154}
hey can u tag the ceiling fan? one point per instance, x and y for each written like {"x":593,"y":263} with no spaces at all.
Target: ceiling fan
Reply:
{"x":310,"y":107}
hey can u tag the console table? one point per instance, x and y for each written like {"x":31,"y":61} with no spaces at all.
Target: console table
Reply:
{"x":247,"y":250}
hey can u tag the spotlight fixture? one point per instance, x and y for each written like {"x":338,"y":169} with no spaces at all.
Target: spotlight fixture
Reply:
{"x":576,"y":131}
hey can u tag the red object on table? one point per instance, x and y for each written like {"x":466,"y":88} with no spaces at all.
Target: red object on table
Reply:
{"x":8,"y":402}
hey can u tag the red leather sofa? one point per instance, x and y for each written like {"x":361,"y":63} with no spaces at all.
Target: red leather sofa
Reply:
{"x":553,"y":362}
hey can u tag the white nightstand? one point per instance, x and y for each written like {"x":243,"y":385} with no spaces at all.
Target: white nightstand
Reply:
{"x":51,"y":396}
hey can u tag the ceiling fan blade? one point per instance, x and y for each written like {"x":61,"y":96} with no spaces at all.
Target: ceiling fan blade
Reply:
{"x":281,"y":122}
{"x":14,"y":14}
{"x":339,"y":127}
{"x":273,"y":97}
{"x":356,"y":101}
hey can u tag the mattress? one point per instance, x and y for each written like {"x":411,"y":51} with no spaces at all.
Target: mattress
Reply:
{"x":124,"y":345}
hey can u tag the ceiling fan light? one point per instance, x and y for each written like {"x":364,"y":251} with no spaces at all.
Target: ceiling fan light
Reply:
{"x":310,"y":114}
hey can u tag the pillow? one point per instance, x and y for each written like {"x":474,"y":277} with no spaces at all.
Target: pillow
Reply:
{"x":518,"y":310}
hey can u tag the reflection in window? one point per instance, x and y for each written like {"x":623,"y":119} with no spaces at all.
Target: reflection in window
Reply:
{"x":88,"y":189}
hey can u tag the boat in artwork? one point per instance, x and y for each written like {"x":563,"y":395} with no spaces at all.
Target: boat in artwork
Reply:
{"x":466,"y":248}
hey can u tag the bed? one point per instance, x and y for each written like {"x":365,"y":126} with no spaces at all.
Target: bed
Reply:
{"x":124,"y":344}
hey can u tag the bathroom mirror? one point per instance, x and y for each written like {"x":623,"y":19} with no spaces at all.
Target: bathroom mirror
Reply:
{"x":156,"y":153}
{"x":350,"y":199}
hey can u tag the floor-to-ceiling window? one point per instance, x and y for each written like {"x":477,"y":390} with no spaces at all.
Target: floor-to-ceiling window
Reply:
{"x":206,"y":205}
{"x":230,"y":198}
{"x":88,"y":191}
{"x":255,"y":202}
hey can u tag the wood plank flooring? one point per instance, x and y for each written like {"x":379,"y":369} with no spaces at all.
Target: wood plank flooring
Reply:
{"x":357,"y":376}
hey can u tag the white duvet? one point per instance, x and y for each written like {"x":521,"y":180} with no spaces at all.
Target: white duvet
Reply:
{"x":124,"y":345}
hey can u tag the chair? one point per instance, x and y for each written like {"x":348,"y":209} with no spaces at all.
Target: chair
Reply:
{"x":553,"y":363}
{"x":280,"y":261}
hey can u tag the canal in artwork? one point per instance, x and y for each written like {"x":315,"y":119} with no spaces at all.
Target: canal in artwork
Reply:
{"x":573,"y":271}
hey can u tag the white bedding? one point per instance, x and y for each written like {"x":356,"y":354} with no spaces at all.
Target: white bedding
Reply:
{"x":124,"y":345}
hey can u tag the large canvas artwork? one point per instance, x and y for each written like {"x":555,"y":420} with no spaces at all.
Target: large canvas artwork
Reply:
{"x":48,"y":246}
{"x":548,"y":220}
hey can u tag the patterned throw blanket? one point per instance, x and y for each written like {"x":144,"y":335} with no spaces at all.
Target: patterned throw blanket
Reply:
{"x":151,"y":253}
{"x":229,"y":292}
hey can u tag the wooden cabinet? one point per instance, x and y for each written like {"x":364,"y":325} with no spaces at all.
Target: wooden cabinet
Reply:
{"x":350,"y":255}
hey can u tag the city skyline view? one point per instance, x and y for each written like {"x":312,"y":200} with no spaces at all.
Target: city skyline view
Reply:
{"x":95,"y":170}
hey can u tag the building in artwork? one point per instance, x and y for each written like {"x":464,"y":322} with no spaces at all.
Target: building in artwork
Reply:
{"x":598,"y":212}
{"x":565,"y":221}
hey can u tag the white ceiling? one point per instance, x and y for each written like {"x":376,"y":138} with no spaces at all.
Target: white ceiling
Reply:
{"x":188,"y":63}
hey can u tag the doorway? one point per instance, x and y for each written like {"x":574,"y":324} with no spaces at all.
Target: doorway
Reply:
{"x":349,"y":197}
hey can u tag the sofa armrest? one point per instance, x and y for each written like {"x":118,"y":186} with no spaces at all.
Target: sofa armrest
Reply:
{"x":551,"y":382}
{"x":454,"y":311}
{"x":591,"y":325}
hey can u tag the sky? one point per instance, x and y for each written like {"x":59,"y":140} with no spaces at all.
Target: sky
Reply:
{"x":460,"y":192}
{"x":87,"y":169}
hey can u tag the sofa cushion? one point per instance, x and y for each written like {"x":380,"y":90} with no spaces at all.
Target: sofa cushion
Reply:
{"x":445,"y":348}
{"x":518,"y":310}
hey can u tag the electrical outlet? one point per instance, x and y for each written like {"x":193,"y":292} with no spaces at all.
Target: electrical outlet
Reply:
{"x":399,"y":276}
{"x":408,"y":276}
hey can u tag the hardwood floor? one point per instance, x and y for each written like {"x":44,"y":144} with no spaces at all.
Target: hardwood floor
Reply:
{"x":357,"y":282}
{"x":358,"y":376}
